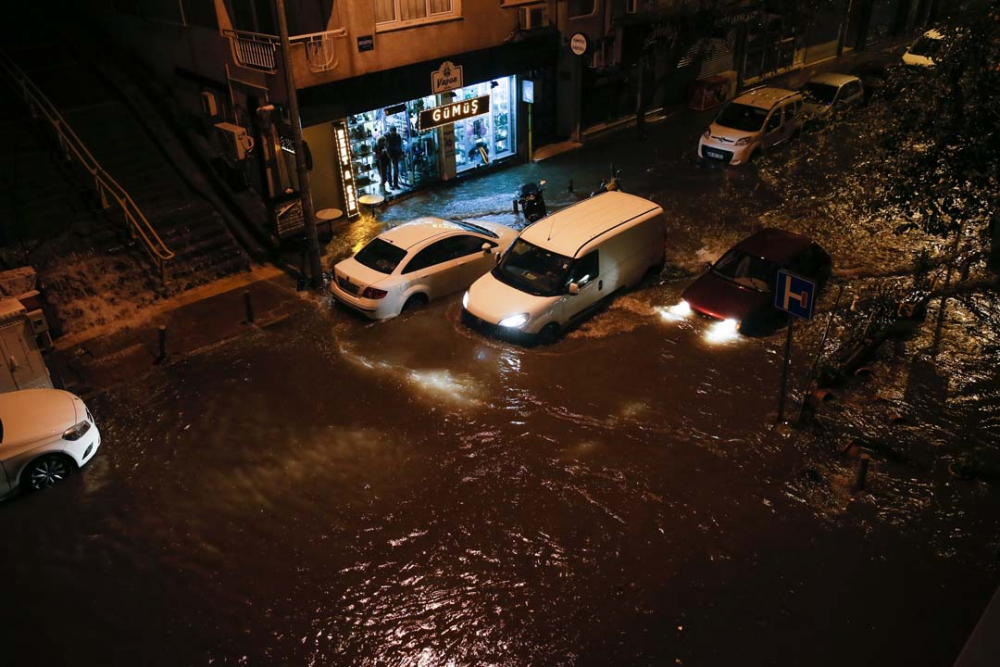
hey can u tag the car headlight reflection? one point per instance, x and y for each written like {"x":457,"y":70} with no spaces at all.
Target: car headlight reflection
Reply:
{"x":514,"y":321}
{"x":723,"y":332}
{"x":678,"y":311}
{"x":465,"y":300}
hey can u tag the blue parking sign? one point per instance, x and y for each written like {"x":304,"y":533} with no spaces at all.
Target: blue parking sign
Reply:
{"x":794,"y":295}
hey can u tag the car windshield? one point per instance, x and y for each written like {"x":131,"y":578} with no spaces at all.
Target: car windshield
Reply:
{"x":820,"y":93}
{"x":747,"y":270}
{"x":742,"y":117}
{"x":468,"y":226}
{"x":925,"y":46}
{"x":381,"y":256}
{"x":534,"y":270}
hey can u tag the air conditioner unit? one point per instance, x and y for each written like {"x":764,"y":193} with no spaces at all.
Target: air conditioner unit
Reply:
{"x":235,"y":140}
{"x":531,"y":18}
{"x":208,"y":104}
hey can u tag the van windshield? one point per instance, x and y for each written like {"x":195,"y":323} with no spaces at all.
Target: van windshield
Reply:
{"x":742,"y":117}
{"x":534,"y":270}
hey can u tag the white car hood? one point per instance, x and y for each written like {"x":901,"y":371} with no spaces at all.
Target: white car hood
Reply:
{"x":37,"y":414}
{"x":358,"y":273}
{"x":729,"y":133}
{"x":491,"y":300}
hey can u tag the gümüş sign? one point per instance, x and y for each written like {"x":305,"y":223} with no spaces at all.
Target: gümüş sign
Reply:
{"x":447,"y":77}
{"x":449,"y":113}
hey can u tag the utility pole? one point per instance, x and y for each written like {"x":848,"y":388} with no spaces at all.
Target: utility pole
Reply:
{"x":300,"y":155}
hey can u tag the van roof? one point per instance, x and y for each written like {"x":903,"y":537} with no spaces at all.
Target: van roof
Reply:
{"x":764,"y":97}
{"x":568,"y":230}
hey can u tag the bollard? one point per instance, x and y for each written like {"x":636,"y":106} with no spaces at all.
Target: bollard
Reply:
{"x":859,"y":480}
{"x":163,"y":344}
{"x":515,"y":205}
{"x":570,"y":185}
{"x":248,"y":306}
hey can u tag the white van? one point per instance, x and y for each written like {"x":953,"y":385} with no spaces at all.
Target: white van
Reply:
{"x":563,"y":266}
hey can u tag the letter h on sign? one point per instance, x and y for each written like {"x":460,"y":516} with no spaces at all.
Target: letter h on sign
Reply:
{"x":794,"y":295}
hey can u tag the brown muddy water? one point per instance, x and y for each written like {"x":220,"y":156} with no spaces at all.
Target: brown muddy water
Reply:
{"x":330,"y":491}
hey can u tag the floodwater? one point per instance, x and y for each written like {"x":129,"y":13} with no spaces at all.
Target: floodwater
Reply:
{"x":330,"y":491}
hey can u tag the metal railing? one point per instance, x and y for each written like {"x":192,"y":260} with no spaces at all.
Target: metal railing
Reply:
{"x":321,"y":52}
{"x":105,"y":185}
{"x":254,"y":50}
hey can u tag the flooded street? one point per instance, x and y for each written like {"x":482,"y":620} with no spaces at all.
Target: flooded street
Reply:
{"x":332,"y":491}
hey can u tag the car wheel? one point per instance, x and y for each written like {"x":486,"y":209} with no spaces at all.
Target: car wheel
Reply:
{"x":549,"y":334}
{"x":46,"y":471}
{"x":414,"y":302}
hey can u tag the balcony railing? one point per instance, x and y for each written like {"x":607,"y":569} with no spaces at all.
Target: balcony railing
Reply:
{"x":107,"y":187}
{"x":260,"y":52}
{"x":254,"y":50}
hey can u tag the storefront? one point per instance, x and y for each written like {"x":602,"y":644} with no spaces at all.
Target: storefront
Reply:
{"x":401,"y":147}
{"x":432,"y":121}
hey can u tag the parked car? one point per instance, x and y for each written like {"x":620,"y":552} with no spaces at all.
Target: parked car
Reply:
{"x":874,"y":75}
{"x":739,"y":287}
{"x":831,"y":93}
{"x":564,"y":267}
{"x":45,"y":435}
{"x":921,"y":53}
{"x":416,"y":262}
{"x":755,"y":121}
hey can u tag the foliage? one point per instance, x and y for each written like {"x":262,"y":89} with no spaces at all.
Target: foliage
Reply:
{"x":937,"y":155}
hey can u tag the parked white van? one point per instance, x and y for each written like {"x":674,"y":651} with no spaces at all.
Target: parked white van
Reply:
{"x":564,"y":266}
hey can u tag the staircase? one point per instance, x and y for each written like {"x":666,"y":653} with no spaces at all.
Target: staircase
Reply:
{"x":189,"y":226}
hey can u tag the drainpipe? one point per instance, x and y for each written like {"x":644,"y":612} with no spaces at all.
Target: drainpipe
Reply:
{"x":308,"y":218}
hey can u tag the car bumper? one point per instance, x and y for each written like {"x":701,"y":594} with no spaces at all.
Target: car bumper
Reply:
{"x":725,"y":153}
{"x":376,"y":309}
{"x":83,"y":450}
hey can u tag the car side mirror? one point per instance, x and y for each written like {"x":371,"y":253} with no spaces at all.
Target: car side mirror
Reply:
{"x":486,"y":247}
{"x":708,"y":265}
{"x":573,"y":289}
{"x":499,"y":257}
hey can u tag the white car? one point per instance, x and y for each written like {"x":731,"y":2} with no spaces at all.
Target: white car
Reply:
{"x":45,"y":435}
{"x":754,"y":121}
{"x":416,"y":262}
{"x":921,"y":53}
{"x":830,"y":93}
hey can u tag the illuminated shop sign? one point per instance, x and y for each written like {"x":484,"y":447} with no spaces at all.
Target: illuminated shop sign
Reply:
{"x":346,"y":170}
{"x":449,"y":113}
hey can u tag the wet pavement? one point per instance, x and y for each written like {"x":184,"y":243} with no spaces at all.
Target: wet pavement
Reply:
{"x":331,"y":491}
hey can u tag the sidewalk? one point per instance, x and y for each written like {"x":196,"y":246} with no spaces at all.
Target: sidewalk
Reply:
{"x":92,"y":362}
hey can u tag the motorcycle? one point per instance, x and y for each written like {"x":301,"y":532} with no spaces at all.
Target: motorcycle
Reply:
{"x":531,"y":202}
{"x":611,"y":184}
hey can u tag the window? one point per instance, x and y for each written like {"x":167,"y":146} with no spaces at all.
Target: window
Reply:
{"x":742,"y":117}
{"x":587,"y":268}
{"x":534,"y":270}
{"x":380,"y":255}
{"x":392,"y":13}
{"x":470,"y":245}
{"x":774,"y":122}
{"x":436,"y":253}
{"x":577,"y":8}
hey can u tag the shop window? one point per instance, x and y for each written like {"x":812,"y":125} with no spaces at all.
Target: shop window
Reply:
{"x":390,"y":14}
{"x":577,"y":8}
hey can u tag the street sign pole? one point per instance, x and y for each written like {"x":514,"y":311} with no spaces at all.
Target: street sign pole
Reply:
{"x":796,"y":296}
{"x":784,"y":371}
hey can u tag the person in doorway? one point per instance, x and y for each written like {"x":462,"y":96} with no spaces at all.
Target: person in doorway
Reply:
{"x":394,"y":143}
{"x":382,"y":162}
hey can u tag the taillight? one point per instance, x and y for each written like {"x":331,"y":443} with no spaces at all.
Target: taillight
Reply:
{"x":372,"y":293}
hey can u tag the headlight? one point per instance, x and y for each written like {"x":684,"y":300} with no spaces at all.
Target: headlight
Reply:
{"x":707,"y":134}
{"x":743,"y":142}
{"x":465,"y":300}
{"x":514,"y":321}
{"x":77,"y":431}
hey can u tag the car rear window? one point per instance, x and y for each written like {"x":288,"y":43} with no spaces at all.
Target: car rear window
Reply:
{"x":821,"y":93}
{"x":381,"y":256}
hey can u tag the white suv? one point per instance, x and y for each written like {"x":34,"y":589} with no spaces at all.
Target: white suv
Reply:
{"x":758,"y":119}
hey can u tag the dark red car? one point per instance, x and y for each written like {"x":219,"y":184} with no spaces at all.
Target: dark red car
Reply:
{"x":740,"y":285}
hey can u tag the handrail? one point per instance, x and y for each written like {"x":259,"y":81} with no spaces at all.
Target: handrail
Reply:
{"x":138,"y":225}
